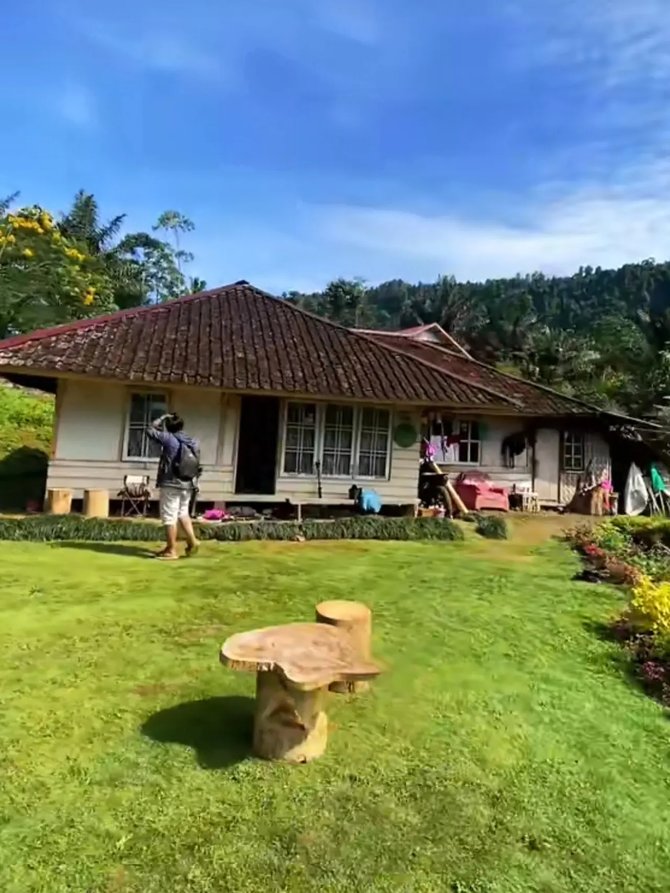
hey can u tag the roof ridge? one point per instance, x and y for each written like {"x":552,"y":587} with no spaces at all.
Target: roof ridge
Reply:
{"x":442,"y":371}
{"x":410,"y":333}
{"x":364,"y":335}
{"x":77,"y":324}
{"x":543,"y":387}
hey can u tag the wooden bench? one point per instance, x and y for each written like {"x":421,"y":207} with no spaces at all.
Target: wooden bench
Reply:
{"x":294,"y":665}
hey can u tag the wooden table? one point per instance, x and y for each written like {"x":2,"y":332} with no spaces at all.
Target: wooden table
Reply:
{"x":294,"y":665}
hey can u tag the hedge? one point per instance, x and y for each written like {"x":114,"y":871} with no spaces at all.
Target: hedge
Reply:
{"x":644,"y":531}
{"x":53,"y":528}
{"x":493,"y":527}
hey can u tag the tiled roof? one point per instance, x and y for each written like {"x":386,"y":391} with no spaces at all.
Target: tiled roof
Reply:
{"x":532,"y":399}
{"x":239,"y":338}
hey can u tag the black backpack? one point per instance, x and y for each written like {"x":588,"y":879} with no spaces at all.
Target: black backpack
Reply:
{"x":187,"y":462}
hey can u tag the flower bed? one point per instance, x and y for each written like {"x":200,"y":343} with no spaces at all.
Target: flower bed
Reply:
{"x":633,"y":553}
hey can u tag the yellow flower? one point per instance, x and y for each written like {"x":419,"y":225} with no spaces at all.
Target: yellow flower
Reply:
{"x":28,"y":252}
{"x":73,"y":254}
{"x":56,"y":236}
{"x":89,"y":297}
{"x":11,"y":239}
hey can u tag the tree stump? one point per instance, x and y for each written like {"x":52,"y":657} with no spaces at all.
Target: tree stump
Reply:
{"x":289,"y":724}
{"x":355,"y":621}
{"x":294,"y":665}
{"x":59,"y":502}
{"x":96,"y":503}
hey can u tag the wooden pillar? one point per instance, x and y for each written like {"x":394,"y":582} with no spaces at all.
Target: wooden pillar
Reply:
{"x":290,"y":724}
{"x":355,"y":619}
{"x":59,"y":502}
{"x":96,"y":503}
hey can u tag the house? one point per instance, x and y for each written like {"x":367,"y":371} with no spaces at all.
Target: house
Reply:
{"x":287,"y":405}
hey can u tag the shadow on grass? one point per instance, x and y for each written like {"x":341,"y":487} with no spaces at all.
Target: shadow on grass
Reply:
{"x":126,"y":551}
{"x":219,"y":730}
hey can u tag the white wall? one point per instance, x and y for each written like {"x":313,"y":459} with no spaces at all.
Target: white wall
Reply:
{"x":399,"y":489}
{"x":91,"y":429}
{"x":496,"y":429}
{"x":90,"y":421}
{"x":90,"y":442}
{"x":91,"y":426}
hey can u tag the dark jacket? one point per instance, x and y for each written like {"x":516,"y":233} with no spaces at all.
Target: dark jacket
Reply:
{"x":170,"y":446}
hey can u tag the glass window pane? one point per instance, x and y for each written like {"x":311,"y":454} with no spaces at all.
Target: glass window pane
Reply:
{"x":135,"y":437}
{"x":300,"y":437}
{"x":143,"y":410}
{"x":138,"y":407}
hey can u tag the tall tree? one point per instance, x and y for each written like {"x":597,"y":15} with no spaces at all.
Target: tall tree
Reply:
{"x":46,"y":278}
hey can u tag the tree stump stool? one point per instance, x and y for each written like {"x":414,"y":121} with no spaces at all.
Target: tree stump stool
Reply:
{"x":294,"y":665}
{"x":96,"y":504}
{"x":59,"y":502}
{"x":355,"y":621}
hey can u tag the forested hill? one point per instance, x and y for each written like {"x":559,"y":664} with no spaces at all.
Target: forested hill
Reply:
{"x":602,"y":335}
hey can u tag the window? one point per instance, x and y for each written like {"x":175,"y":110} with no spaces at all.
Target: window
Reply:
{"x":144,"y":409}
{"x":300,"y":444}
{"x":469,"y":443}
{"x":573,"y":451}
{"x":347,"y":441}
{"x":374,"y":443}
{"x":338,"y":441}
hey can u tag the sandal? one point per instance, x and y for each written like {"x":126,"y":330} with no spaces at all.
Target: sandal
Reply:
{"x":166,"y":556}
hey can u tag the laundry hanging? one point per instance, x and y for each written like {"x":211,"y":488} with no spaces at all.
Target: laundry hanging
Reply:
{"x":635,"y":497}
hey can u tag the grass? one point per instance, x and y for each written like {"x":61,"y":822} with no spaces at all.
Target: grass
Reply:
{"x":504,"y":749}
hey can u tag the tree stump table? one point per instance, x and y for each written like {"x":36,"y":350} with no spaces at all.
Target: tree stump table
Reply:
{"x":294,"y":665}
{"x":355,"y":620}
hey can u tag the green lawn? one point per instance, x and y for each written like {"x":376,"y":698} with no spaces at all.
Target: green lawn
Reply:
{"x":503,"y":750}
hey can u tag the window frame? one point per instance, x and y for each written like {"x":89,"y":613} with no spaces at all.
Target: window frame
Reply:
{"x":469,"y":440}
{"x":127,"y":427}
{"x":571,"y":439}
{"x":284,"y":438}
{"x":319,"y":442}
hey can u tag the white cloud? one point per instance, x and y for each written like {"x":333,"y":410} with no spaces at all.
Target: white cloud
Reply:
{"x":605,"y":227}
{"x":76,"y":104}
{"x":355,"y":20}
{"x":165,"y":51}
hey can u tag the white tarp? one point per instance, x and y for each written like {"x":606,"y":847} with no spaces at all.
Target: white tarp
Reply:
{"x":635,"y":495}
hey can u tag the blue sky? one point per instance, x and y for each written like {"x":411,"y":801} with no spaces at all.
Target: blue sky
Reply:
{"x":310,"y":139}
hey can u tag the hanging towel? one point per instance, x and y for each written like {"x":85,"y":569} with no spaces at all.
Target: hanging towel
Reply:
{"x":657,"y":482}
{"x":635,"y":495}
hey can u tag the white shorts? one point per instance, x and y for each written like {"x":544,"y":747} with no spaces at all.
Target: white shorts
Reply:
{"x":173,"y":505}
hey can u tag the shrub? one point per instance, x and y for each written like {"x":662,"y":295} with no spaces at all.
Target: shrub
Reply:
{"x":650,"y":606}
{"x":493,"y":527}
{"x":53,"y":528}
{"x":644,"y":531}
{"x":611,"y":538}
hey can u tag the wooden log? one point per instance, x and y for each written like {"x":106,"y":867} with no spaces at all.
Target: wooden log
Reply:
{"x":354,"y":619}
{"x":59,"y":502}
{"x":290,"y":724}
{"x":96,"y":503}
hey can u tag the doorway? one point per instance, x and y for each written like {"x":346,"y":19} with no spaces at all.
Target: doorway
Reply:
{"x":257,"y":446}
{"x":546,"y":464}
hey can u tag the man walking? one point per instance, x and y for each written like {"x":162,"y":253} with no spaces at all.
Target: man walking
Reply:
{"x":178,"y":468}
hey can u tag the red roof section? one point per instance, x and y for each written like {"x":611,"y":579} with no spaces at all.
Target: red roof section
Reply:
{"x":532,"y":399}
{"x":240,"y":338}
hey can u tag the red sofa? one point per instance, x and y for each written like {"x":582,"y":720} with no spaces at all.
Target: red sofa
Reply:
{"x":479,"y":492}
